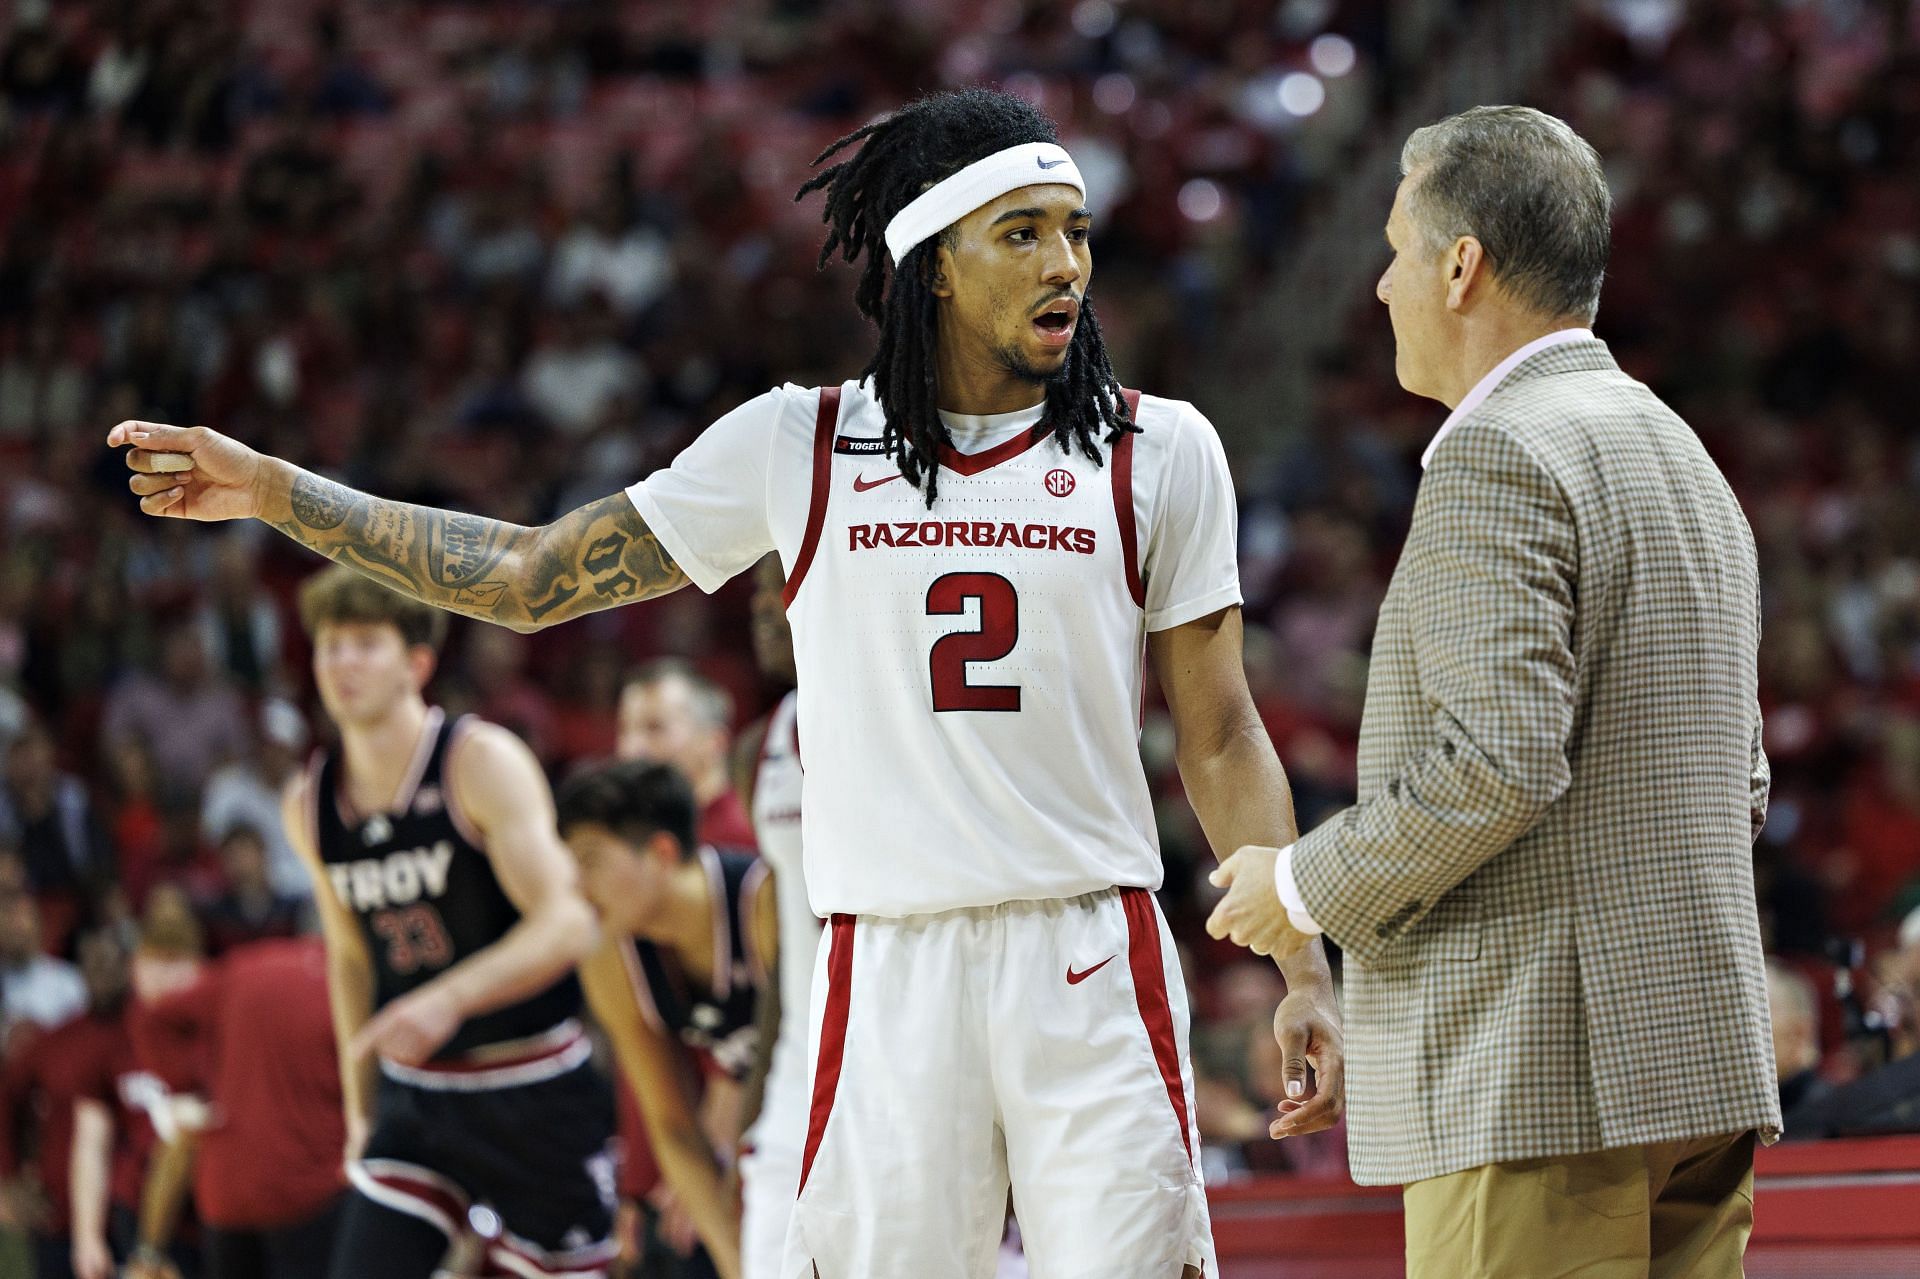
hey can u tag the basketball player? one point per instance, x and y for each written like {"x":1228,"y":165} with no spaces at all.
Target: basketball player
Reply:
{"x":453,"y":920}
{"x":981,"y":537}
{"x":690,"y":944}
{"x":768,"y":776}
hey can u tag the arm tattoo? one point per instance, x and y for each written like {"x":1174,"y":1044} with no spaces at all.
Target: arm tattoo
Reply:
{"x":596,"y":557}
{"x":318,"y":503}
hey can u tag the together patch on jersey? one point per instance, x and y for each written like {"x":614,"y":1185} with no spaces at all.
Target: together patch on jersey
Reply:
{"x":859,"y":446}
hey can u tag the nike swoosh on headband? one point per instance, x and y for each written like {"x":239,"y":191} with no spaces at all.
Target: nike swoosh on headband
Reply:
{"x":1043,"y":164}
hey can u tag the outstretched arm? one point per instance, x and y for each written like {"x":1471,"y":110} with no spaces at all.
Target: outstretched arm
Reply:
{"x":1239,"y":792}
{"x":596,"y":557}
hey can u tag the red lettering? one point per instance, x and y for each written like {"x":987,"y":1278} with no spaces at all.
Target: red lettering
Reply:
{"x":959,"y":534}
{"x":933,"y":533}
{"x":883,"y":535}
{"x":982,"y":533}
{"x":1034,"y":537}
{"x":1057,"y":538}
{"x":1009,"y":535}
{"x":859,"y":537}
{"x":1083,"y":540}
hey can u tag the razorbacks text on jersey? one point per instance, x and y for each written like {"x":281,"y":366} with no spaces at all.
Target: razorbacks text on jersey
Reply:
{"x":420,"y":883}
{"x":717,"y":1021}
{"x":970,"y":672}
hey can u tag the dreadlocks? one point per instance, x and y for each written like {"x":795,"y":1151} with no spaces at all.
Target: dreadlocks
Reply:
{"x":903,"y":155}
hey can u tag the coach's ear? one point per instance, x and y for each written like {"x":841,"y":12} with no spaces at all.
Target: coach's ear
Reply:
{"x":1466,"y":268}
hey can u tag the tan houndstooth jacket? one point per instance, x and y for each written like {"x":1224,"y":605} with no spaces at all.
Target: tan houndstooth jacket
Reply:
{"x":1545,"y":892}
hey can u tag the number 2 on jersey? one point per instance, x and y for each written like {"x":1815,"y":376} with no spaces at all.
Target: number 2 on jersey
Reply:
{"x":999,"y":632}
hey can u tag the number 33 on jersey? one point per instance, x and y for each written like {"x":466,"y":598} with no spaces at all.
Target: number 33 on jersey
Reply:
{"x":970,"y":672}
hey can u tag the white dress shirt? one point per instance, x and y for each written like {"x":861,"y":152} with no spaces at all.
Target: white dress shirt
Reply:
{"x":1283,"y":867}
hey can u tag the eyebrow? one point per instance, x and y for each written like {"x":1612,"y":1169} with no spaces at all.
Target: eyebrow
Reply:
{"x":1025,"y":215}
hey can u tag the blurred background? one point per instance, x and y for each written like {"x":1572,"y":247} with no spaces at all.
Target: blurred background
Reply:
{"x":509,"y":257}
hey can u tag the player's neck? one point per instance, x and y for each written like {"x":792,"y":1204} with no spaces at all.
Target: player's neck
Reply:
{"x":379,"y":752}
{"x":976,"y":384}
{"x":683,"y":924}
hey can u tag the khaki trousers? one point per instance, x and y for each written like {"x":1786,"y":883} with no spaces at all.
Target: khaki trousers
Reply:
{"x":1662,"y":1211}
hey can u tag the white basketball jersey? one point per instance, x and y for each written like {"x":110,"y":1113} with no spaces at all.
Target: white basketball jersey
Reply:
{"x":970,"y":673}
{"x":776,"y":825}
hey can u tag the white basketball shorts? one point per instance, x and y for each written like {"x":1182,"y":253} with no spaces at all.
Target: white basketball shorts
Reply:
{"x":1041,"y":1045}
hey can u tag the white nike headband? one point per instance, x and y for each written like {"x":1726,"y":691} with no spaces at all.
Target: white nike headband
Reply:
{"x":947,"y":201}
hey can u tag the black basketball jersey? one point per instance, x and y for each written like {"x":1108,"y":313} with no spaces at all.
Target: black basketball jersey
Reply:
{"x":717,"y":1020}
{"x":421,"y":885}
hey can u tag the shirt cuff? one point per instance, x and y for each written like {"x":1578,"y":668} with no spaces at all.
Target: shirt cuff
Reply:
{"x":1290,"y":894}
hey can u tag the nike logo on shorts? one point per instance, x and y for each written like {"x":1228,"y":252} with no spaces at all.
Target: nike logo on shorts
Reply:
{"x":1074,"y":979}
{"x":861,"y":483}
{"x":1046,"y":165}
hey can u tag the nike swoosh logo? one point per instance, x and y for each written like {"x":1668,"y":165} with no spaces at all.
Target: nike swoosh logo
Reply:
{"x":1046,"y":165}
{"x":1074,"y":979}
{"x":861,"y":483}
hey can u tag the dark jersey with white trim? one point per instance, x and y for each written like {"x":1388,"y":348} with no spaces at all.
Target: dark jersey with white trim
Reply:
{"x":424,"y":893}
{"x":717,"y":1020}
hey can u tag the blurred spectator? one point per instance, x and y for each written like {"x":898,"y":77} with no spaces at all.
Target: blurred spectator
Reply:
{"x":574,"y":378}
{"x":43,"y":387}
{"x":246,"y":794}
{"x":239,"y":622}
{"x":630,"y":265}
{"x":35,"y":988}
{"x":186,"y":716}
{"x":267,"y":1174}
{"x":249,"y":910}
{"x":41,"y":1086}
{"x":1796,"y":1036}
{"x":672,"y":714}
{"x":47,"y":817}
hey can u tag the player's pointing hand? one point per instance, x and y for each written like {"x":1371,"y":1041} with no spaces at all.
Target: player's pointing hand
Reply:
{"x":1251,"y":913}
{"x":412,"y":1028}
{"x":190,"y":472}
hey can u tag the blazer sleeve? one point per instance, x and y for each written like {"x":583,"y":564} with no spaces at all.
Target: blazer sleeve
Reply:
{"x":1489,"y":572}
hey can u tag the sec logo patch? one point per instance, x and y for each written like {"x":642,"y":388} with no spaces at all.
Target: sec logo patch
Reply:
{"x":1059,"y":481}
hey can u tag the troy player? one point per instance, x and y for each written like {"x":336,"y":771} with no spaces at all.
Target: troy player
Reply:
{"x":984,"y":540}
{"x":453,"y":919}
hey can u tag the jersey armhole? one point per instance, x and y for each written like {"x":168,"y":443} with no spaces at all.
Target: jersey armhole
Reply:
{"x":460,"y":735}
{"x":1122,"y":467}
{"x":826,"y":422}
{"x":757,"y":880}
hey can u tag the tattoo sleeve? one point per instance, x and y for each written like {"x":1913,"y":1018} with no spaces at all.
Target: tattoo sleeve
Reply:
{"x":596,"y":557}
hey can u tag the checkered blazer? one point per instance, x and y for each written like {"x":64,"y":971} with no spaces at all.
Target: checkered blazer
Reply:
{"x":1545,"y":892}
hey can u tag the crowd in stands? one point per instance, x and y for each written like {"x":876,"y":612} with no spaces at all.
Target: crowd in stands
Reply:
{"x":509,"y":257}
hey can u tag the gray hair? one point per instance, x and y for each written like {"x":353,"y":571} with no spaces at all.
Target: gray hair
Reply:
{"x":711,"y":703}
{"x":1529,"y":189}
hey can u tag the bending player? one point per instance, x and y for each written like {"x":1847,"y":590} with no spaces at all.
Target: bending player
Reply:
{"x":453,"y":919}
{"x":689,"y":947}
{"x":981,"y":536}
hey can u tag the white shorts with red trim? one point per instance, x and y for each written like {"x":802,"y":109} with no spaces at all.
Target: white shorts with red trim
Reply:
{"x":1039,"y":1045}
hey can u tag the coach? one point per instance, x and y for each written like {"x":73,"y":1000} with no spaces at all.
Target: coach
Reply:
{"x":1556,"y":1003}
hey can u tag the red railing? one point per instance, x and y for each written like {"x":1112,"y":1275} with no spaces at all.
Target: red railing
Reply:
{"x":1849,"y":1207}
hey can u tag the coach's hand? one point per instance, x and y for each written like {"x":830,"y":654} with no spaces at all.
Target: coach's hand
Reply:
{"x":222,"y":479}
{"x":1307,"y":1026}
{"x":1251,"y":913}
{"x":412,"y":1028}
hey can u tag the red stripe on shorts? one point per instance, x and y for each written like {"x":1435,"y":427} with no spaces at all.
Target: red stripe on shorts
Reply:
{"x":833,"y":1038}
{"x":1150,"y":990}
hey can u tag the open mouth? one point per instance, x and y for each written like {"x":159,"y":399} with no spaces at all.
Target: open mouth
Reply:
{"x":1055,"y":323}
